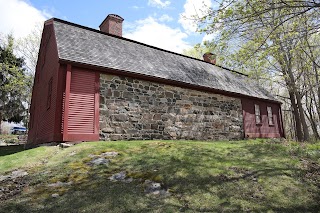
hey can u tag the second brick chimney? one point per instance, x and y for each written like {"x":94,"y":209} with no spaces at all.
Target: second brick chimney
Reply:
{"x":112,"y":25}
{"x":210,"y":57}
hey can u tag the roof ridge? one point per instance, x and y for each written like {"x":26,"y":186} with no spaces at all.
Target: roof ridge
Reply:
{"x":137,"y":42}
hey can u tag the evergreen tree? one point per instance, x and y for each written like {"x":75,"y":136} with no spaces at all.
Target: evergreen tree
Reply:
{"x":14,"y":83}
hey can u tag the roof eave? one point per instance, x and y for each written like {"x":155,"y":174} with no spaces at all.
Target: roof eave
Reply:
{"x":161,"y":80}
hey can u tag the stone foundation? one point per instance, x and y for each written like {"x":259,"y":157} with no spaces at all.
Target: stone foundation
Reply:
{"x":132,"y":109}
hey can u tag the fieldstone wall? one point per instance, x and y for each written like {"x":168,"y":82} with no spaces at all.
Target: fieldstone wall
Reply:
{"x":132,"y":109}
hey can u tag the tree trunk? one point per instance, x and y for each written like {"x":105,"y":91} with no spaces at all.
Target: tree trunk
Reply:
{"x":313,"y":125}
{"x":318,"y":88}
{"x":290,"y":83}
{"x":313,"y":107}
{"x":292,"y":86}
{"x":0,"y":122}
{"x":296,"y":115}
{"x":297,"y":95}
{"x":309,"y":106}
{"x":306,"y":135}
{"x":317,"y":77}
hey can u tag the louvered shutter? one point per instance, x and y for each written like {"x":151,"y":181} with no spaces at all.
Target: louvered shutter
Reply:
{"x":81,"y":103}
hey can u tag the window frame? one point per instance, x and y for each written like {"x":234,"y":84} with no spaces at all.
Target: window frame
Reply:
{"x":270,"y":116}
{"x":257,"y":113}
{"x":31,"y":118}
{"x":49,"y":95}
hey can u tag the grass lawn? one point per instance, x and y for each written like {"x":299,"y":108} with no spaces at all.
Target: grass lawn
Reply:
{"x":237,"y":176}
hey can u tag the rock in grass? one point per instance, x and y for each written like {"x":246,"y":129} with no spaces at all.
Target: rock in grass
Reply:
{"x":121,"y":176}
{"x":65,"y":145}
{"x":4,"y":177}
{"x":100,"y":161}
{"x":154,"y":188}
{"x":72,"y":153}
{"x":151,"y":186}
{"x":55,"y":195}
{"x":60,"y":184}
{"x":105,"y":154}
{"x":15,"y":174}
{"x":128,"y":180}
{"x":109,"y":154}
{"x":18,"y":173}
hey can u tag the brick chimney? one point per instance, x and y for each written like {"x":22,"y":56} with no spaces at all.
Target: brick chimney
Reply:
{"x":112,"y":25}
{"x":209,"y":57}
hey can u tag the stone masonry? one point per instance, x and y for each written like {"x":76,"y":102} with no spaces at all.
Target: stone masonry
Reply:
{"x":132,"y":109}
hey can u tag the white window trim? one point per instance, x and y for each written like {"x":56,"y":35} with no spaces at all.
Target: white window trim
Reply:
{"x":270,"y":116}
{"x":257,"y":114}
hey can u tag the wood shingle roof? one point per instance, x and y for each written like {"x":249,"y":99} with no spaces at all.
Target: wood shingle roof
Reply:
{"x":89,"y":46}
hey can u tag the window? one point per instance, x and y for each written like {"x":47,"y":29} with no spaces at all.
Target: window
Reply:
{"x":257,"y":113}
{"x":31,"y":119}
{"x":49,"y":94}
{"x":270,"y":117}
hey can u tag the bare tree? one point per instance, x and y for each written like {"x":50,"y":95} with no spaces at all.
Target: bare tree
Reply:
{"x":29,"y":46}
{"x":280,"y":33}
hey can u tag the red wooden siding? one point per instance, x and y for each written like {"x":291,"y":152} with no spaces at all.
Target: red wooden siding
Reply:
{"x":262,"y":130}
{"x":42,"y":129}
{"x":80,"y":114}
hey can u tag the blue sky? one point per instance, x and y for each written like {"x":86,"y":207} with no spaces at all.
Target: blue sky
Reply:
{"x":155,"y":22}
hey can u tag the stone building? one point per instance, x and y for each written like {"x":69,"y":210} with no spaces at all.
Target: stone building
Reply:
{"x":96,"y":85}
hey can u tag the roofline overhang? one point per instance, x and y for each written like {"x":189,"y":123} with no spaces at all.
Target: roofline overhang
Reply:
{"x":161,"y":80}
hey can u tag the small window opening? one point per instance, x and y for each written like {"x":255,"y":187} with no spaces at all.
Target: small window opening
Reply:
{"x":257,"y":113}
{"x":270,"y":117}
{"x":31,"y":117}
{"x":49,"y":94}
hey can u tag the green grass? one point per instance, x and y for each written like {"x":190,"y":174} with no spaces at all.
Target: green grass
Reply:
{"x":236,"y":176}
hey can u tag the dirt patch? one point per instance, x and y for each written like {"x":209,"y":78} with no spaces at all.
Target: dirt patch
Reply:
{"x":12,"y":186}
{"x":311,"y":171}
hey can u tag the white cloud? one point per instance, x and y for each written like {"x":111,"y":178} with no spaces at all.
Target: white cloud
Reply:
{"x":149,"y":31}
{"x":209,"y":37}
{"x":159,"y":3}
{"x":19,"y":17}
{"x":136,"y":7}
{"x":193,"y":8}
{"x":165,"y":18}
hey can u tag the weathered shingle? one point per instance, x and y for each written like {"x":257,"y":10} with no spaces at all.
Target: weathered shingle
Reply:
{"x":83,"y":45}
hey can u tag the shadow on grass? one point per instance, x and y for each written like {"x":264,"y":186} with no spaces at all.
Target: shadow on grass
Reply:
{"x":8,"y":150}
{"x":239,"y":183}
